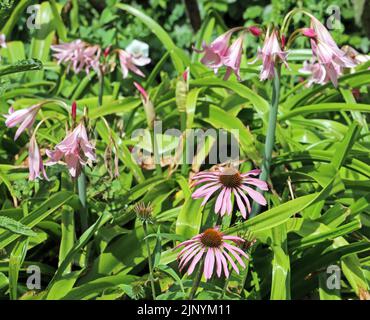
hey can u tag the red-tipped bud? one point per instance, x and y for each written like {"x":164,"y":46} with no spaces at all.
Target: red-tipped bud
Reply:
{"x":308,"y":32}
{"x":74,"y":111}
{"x":255,"y":31}
{"x":356,"y":93}
{"x":283,"y":41}
{"x":185,"y":75}
{"x":142,"y":91}
{"x":106,"y":52}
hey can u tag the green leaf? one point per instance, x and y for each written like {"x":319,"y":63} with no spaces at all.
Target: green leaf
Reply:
{"x":39,"y":214}
{"x":188,"y":222}
{"x":15,"y":227}
{"x":21,"y":66}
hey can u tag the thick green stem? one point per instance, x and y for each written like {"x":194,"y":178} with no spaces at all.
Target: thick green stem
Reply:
{"x":270,"y":135}
{"x":149,"y":259}
{"x":198,"y":277}
{"x":184,"y":167}
{"x":225,"y":286}
{"x":101,"y":88}
{"x":81,"y":185}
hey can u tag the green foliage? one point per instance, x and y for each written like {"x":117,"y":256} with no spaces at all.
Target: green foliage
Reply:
{"x":318,"y":211}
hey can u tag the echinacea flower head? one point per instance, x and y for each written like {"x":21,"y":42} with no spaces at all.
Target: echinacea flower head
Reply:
{"x":25,"y":117}
{"x":35,"y":164}
{"x":130,"y":62}
{"x":271,"y":53}
{"x":328,"y":54}
{"x":75,"y":149}
{"x":2,"y":41}
{"x":227,"y":182}
{"x":316,"y":71}
{"x":216,"y":249}
{"x":77,"y":55}
{"x":144,"y":211}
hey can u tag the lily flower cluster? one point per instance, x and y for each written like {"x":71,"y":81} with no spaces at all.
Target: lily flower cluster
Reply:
{"x":79,"y":55}
{"x":75,"y":149}
{"x":327,"y":64}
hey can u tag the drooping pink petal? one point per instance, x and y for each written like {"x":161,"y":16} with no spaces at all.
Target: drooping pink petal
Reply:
{"x":209,"y":264}
{"x":240,"y":203}
{"x":195,"y":261}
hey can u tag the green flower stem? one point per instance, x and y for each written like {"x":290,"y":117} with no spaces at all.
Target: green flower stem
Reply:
{"x":184,"y":167}
{"x":198,"y":277}
{"x":101,"y":88}
{"x":270,"y":135}
{"x":149,"y":259}
{"x":225,"y":286}
{"x":81,"y":186}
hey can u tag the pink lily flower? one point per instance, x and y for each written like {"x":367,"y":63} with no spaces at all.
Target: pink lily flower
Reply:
{"x":233,"y":57}
{"x":270,"y":52}
{"x":77,"y":55}
{"x":25,"y":117}
{"x":215,"y":52}
{"x":316,"y":71}
{"x":35,"y":164}
{"x":75,"y":149}
{"x":130,"y":62}
{"x":217,"y":249}
{"x":327,"y":52}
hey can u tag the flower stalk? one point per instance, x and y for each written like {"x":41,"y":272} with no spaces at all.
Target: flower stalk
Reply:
{"x":270,"y":135}
{"x":197,"y":279}
{"x":151,"y":276}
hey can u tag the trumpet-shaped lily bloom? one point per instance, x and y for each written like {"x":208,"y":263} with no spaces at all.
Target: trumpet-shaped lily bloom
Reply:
{"x":270,"y":52}
{"x":2,"y":41}
{"x":35,"y":164}
{"x":24,"y":117}
{"x":216,"y":51}
{"x":75,"y":149}
{"x":77,"y":55}
{"x":233,"y":57}
{"x":316,"y":71}
{"x":217,"y":251}
{"x":130,"y":62}
{"x":228,"y":181}
{"x":327,"y":52}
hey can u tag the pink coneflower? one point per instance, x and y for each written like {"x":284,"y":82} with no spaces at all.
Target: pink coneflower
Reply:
{"x":24,"y":117}
{"x":35,"y":164}
{"x":215,"y":247}
{"x":77,"y":55}
{"x":271,"y":53}
{"x":75,"y":149}
{"x":130,"y":62}
{"x":230,"y":181}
